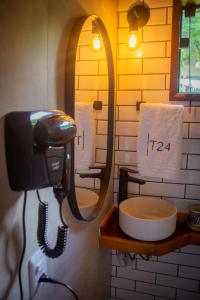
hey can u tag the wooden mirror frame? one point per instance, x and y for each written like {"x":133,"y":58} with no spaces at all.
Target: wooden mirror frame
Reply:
{"x":70,"y":110}
{"x":175,"y":55}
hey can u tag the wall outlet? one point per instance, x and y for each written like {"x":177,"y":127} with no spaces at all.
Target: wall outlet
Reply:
{"x":37,"y":266}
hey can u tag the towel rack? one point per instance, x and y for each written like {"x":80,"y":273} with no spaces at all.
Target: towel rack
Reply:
{"x":138,"y":105}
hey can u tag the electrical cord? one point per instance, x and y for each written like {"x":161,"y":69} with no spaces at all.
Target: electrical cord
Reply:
{"x":38,"y":196}
{"x":24,"y":246}
{"x":36,"y":290}
{"x":189,"y":56}
{"x":60,"y":206}
{"x":57,"y":251}
{"x":61,"y":216}
{"x":42,"y":232}
{"x":45,"y":279}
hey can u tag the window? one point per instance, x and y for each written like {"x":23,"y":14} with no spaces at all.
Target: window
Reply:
{"x":185,"y":64}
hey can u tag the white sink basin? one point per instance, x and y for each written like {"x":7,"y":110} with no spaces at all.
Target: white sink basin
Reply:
{"x":86,"y":200}
{"x":147,"y":218}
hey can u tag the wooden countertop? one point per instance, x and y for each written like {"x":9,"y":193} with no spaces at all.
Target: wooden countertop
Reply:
{"x":112,"y":237}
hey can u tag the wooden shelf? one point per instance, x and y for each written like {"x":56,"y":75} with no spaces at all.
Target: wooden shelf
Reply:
{"x":112,"y":237}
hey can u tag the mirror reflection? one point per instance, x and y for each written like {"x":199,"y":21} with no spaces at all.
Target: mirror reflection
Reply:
{"x":91,"y":115}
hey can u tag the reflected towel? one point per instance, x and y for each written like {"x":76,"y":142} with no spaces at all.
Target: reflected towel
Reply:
{"x":85,"y":136}
{"x":159,"y":149}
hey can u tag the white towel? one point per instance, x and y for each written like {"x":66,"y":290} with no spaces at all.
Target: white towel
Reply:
{"x":85,"y":136}
{"x":159,"y":149}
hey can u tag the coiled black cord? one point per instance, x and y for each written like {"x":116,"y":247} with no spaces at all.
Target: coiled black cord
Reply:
{"x":24,"y":246}
{"x":42,"y":232}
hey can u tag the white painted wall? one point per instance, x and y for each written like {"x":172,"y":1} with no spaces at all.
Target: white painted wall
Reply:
{"x":34,"y":37}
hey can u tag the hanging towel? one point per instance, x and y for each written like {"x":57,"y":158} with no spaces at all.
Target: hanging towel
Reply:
{"x":85,"y":136}
{"x":159,"y":149}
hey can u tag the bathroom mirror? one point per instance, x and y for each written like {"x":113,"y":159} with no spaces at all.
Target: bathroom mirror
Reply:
{"x":89,"y":99}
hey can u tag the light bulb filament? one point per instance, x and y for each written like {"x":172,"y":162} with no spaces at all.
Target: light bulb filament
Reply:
{"x":133,"y":41}
{"x":96,"y":43}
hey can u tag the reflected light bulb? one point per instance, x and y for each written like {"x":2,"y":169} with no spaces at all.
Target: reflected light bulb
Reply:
{"x":139,"y":53}
{"x":96,"y":43}
{"x":133,"y":41}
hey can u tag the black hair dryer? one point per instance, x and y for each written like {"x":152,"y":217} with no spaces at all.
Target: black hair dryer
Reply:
{"x":38,"y":154}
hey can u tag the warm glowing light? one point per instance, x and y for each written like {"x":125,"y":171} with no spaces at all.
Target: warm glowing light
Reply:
{"x":96,"y":43}
{"x":133,"y":42}
{"x":139,"y":53}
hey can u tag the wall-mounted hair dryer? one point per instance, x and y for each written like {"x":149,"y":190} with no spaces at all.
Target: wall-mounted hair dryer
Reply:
{"x":35,"y":148}
{"x":38,"y":154}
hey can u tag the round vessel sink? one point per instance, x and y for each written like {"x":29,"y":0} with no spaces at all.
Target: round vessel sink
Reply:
{"x":86,"y":200}
{"x":147,"y":218}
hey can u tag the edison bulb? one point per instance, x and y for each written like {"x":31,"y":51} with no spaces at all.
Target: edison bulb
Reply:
{"x":133,"y":41}
{"x":96,"y":43}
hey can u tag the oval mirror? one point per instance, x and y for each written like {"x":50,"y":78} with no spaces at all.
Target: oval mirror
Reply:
{"x":89,"y":100}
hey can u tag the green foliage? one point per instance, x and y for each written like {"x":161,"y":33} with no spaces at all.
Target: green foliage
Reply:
{"x":194,"y":36}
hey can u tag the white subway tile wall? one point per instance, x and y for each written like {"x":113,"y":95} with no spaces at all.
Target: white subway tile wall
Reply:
{"x":175,"y":275}
{"x":91,"y":85}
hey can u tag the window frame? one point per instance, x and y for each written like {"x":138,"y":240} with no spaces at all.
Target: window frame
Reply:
{"x":175,"y":59}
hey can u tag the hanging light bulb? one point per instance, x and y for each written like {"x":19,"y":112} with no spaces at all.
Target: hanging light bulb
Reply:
{"x":138,"y":16}
{"x":96,"y":37}
{"x":134,"y":41}
{"x":96,"y":42}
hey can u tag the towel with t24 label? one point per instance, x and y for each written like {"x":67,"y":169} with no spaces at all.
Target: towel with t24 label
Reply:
{"x":159,"y":149}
